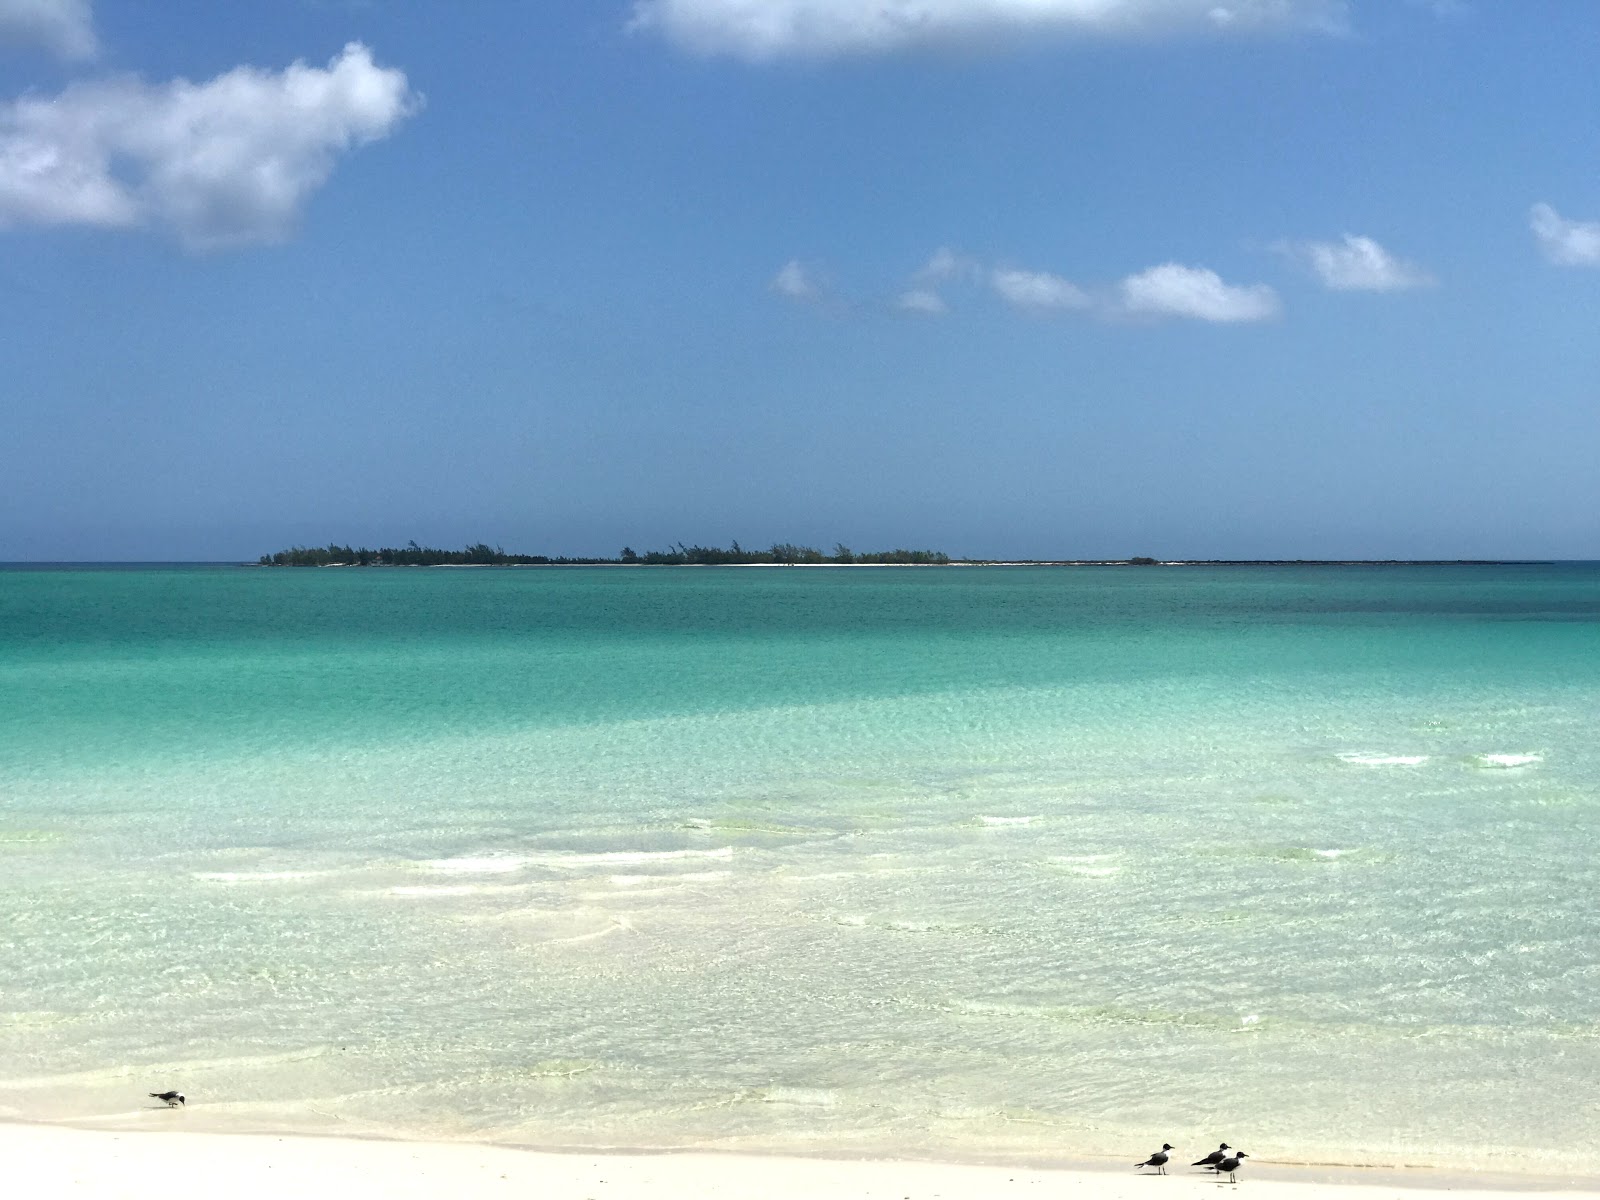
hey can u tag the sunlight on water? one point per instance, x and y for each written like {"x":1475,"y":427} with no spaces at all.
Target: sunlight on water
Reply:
{"x":1017,"y":862}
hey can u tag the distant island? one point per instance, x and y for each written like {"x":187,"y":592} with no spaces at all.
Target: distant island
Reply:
{"x":484,"y":555}
{"x":787,"y":554}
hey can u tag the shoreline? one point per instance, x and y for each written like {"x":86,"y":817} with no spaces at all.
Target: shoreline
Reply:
{"x":955,"y":562}
{"x":26,"y":565}
{"x":55,"y":1159}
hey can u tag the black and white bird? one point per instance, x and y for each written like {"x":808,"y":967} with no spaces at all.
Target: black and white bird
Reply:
{"x":1229,"y":1165}
{"x":173,"y":1099}
{"x":1158,"y":1160}
{"x":1212,"y":1159}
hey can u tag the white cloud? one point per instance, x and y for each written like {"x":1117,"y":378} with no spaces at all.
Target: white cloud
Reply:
{"x":1359,"y":264}
{"x":1565,"y":243}
{"x":796,"y":281}
{"x":227,"y":162}
{"x":922,"y":300}
{"x":1168,"y":290}
{"x":760,"y":30}
{"x":1037,"y":290}
{"x":64,"y":27}
{"x":1178,"y":291}
{"x":945,"y":264}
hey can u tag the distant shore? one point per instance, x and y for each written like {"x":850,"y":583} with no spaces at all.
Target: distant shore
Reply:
{"x":132,"y":1163}
{"x":1028,"y":562}
{"x":779,"y":554}
{"x":196,"y":564}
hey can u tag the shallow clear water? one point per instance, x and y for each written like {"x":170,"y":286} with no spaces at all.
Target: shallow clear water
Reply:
{"x":1045,"y":862}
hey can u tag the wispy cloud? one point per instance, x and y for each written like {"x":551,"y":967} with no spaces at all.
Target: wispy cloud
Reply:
{"x":228,"y":162}
{"x":1565,"y":243}
{"x":1168,"y":290}
{"x":796,"y":281}
{"x":922,"y":300}
{"x":1038,"y":291}
{"x":1358,"y":264}
{"x":1173,"y":290}
{"x":946,"y":264}
{"x":760,"y":30}
{"x":63,"y":27}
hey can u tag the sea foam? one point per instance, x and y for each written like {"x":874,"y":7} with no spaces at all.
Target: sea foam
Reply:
{"x":1356,"y":759}
{"x":1503,"y":761}
{"x":457,"y":889}
{"x":620,"y":857}
{"x":484,"y":864}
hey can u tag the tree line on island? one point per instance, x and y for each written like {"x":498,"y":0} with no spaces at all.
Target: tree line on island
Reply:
{"x":484,"y":555}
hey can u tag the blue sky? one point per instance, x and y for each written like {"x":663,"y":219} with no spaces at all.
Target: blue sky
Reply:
{"x":1190,"y":278}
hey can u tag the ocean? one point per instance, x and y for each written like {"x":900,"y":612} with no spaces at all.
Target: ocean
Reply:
{"x":1013,"y":863}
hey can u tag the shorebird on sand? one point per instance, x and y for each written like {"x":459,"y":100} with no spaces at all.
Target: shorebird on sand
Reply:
{"x":1212,"y":1159}
{"x":1229,"y":1165}
{"x":1158,"y":1160}
{"x":173,"y":1099}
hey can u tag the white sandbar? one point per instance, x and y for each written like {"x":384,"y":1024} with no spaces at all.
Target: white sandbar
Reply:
{"x":50,"y":1161}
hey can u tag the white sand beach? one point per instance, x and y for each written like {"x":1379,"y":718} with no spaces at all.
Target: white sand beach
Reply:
{"x":51,"y":1161}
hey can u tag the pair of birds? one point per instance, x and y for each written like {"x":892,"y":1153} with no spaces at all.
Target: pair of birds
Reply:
{"x":1224,"y":1160}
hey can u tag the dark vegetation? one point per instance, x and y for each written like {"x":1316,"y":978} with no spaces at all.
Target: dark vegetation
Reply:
{"x":781,"y":554}
{"x":412,"y":555}
{"x":484,"y":555}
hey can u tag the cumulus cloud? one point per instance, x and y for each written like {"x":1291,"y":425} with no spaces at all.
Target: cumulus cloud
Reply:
{"x":1565,"y":243}
{"x":761,"y":30}
{"x":1039,"y":291}
{"x":922,"y":300}
{"x":1358,"y":264}
{"x":1174,"y":290}
{"x":796,"y":281}
{"x":63,"y":27}
{"x":1169,"y":290}
{"x":227,"y":162}
{"x":945,"y":264}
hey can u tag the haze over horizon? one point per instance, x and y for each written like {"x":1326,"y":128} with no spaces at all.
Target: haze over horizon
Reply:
{"x":1005,"y":278}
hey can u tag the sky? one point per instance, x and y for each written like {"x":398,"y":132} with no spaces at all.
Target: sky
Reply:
{"x":1005,"y":278}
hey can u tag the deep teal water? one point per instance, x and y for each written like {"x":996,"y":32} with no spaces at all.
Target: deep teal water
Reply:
{"x":964,"y":861}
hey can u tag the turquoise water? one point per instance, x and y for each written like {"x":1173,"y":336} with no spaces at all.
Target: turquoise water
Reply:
{"x":968,"y":862}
